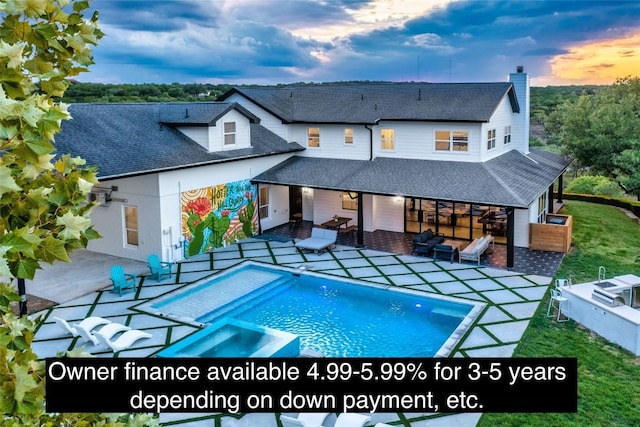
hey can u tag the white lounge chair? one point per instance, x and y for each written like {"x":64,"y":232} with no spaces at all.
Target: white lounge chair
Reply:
{"x":349,"y":419}
{"x":124,"y":341}
{"x":108,"y":331}
{"x":86,"y":325}
{"x":309,"y":419}
{"x":321,"y":239}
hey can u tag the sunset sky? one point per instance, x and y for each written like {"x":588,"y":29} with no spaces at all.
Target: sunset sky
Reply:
{"x":280,"y":41}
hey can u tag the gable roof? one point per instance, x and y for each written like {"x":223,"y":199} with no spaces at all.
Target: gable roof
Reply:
{"x":130,"y":139}
{"x":201,"y":113}
{"x":512,"y":179}
{"x":368,"y":103}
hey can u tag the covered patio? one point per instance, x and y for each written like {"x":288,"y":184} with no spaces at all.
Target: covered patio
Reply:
{"x":454,"y":197}
{"x":526,"y":261}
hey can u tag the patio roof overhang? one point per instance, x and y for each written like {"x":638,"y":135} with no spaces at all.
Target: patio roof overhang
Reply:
{"x":510,"y":180}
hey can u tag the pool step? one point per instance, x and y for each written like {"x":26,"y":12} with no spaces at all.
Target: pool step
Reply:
{"x":447,"y":314}
{"x":272,"y":288}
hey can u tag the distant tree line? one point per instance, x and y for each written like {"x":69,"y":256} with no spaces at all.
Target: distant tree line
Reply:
{"x":543,"y":99}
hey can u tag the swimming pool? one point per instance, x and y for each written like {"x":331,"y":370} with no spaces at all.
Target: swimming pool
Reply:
{"x":332,"y":316}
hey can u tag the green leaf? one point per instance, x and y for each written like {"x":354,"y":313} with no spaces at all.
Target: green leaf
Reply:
{"x":73,"y":225}
{"x":12,"y":53}
{"x":26,"y":268}
{"x":7,"y":183}
{"x":52,"y":250}
{"x":4,"y":266}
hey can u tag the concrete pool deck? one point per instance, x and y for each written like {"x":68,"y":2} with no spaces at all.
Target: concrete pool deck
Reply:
{"x":512,"y":299}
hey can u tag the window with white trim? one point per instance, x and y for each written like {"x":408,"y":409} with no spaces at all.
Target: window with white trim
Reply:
{"x":263,"y":200}
{"x":387,"y":139}
{"x":313,"y":137}
{"x":491,"y":139}
{"x":131,"y":225}
{"x":542,"y":208}
{"x":229,"y":133}
{"x":507,"y":134}
{"x":348,"y":136}
{"x":452,"y":140}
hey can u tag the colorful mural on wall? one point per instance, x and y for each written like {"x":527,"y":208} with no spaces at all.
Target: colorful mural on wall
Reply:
{"x":216,"y":216}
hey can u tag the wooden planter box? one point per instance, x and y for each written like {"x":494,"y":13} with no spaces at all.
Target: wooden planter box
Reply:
{"x":554,"y":235}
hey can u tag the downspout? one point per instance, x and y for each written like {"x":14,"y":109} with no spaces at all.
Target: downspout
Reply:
{"x":370,"y":142}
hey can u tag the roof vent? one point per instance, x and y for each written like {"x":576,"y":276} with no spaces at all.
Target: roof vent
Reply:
{"x":186,"y":113}
{"x":519,"y":68}
{"x":419,"y":94}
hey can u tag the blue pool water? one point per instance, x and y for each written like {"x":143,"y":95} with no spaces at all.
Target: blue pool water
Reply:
{"x":337,"y":318}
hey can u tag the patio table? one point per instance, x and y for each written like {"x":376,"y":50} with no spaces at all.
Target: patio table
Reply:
{"x":336,"y":223}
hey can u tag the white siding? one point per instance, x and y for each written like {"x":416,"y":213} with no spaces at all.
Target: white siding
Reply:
{"x":108,"y":219}
{"x":199,"y":134}
{"x":389,"y":213}
{"x":278,"y":207}
{"x":326,"y":204}
{"x":157,"y":198}
{"x":267,"y":120}
{"x":521,"y":230}
{"x":243,"y":134}
{"x":503,"y":116}
{"x":332,"y":141}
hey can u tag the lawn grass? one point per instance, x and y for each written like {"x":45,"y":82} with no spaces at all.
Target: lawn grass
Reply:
{"x":608,"y":376}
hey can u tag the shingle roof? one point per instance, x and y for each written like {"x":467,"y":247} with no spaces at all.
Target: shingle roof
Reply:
{"x":204,"y":113}
{"x":128,"y":139}
{"x":371,"y":102}
{"x":512,"y":179}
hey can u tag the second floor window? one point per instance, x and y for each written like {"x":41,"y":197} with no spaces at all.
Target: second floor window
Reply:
{"x":229,"y":133}
{"x":507,"y":134}
{"x":348,"y":136}
{"x":313,"y":137}
{"x":491,"y":139}
{"x":387,"y":139}
{"x":452,"y":140}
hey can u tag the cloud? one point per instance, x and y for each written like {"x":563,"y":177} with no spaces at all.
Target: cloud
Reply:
{"x":277,"y":41}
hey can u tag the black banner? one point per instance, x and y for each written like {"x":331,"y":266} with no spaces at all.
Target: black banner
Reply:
{"x":233,"y":385}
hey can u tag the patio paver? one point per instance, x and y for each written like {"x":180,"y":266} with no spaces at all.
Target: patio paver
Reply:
{"x":513,"y":298}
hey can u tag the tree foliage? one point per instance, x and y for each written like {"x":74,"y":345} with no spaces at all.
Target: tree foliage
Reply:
{"x":43,"y":209}
{"x":601,"y":132}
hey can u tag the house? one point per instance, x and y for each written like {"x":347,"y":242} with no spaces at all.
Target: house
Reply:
{"x":404,"y":157}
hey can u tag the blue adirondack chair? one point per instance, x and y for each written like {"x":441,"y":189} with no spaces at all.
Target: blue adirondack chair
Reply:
{"x":122,"y":282}
{"x":159,"y":269}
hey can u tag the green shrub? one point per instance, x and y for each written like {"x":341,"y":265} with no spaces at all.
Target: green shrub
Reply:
{"x":595,"y":184}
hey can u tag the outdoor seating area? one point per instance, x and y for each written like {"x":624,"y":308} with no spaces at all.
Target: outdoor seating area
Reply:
{"x":322,"y":239}
{"x":424,"y":242}
{"x":122,"y":282}
{"x":476,"y":249}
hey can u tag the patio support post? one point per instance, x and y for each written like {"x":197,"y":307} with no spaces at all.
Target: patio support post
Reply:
{"x":510,"y":246}
{"x":360,"y":235}
{"x":560,"y":187}
{"x":550,"y":200}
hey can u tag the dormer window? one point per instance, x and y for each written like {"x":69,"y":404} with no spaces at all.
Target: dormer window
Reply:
{"x":229,"y":133}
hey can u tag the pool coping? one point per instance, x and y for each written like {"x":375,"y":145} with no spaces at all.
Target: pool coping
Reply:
{"x":445,"y":349}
